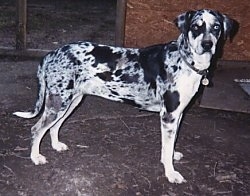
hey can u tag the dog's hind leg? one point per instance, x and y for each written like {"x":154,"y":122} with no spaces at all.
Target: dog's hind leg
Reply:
{"x":54,"y":130}
{"x":53,"y":112}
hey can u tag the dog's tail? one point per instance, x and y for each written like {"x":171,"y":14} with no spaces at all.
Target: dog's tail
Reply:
{"x":40,"y":99}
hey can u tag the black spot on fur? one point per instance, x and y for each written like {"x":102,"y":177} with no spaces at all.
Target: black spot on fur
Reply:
{"x":153,"y":86}
{"x":70,"y":97}
{"x":68,"y":100}
{"x":136,"y":66}
{"x":167,"y":118}
{"x":65,"y":48}
{"x":152,"y":60}
{"x":129,"y":78}
{"x":86,"y":60}
{"x":178,"y":60}
{"x":131,"y":56}
{"x":51,"y":54}
{"x":104,"y":54}
{"x":73,"y":59}
{"x":171,"y":100}
{"x":77,"y":76}
{"x":175,"y":68}
{"x":105,"y":76}
{"x":78,"y":62}
{"x":114,"y":93}
{"x":70,"y":85}
{"x":172,"y":46}
{"x":118,"y":72}
{"x":85,"y":44}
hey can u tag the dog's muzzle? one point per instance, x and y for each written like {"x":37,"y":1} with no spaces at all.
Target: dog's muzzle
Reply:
{"x":207,"y":45}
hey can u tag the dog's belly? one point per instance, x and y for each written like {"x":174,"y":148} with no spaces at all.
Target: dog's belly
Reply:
{"x":140,"y":96}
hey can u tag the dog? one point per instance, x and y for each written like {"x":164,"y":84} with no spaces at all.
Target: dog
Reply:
{"x":160,"y":78}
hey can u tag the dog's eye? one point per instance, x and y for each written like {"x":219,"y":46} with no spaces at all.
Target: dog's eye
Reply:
{"x":216,"y":27}
{"x":195,"y":27}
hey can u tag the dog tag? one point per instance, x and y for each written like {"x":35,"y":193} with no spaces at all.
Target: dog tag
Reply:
{"x":205,"y":81}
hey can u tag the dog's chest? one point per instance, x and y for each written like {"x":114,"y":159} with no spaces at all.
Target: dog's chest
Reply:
{"x":188,"y":83}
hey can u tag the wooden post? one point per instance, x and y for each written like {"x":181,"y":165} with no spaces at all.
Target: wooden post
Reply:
{"x":120,"y":22}
{"x":21,"y":24}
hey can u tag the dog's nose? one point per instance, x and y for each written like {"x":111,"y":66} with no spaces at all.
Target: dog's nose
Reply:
{"x":207,"y":45}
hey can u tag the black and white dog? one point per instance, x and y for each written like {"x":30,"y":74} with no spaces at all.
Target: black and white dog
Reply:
{"x":161,"y":78}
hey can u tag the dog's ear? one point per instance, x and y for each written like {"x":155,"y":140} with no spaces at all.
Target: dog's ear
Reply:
{"x":183,"y":21}
{"x":230,"y":27}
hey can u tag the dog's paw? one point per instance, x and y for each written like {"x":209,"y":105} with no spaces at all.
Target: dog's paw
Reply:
{"x":175,"y":177}
{"x":178,"y":156}
{"x":59,"y":146}
{"x":38,"y":159}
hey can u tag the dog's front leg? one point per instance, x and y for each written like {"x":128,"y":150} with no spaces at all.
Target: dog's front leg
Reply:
{"x":169,"y":127}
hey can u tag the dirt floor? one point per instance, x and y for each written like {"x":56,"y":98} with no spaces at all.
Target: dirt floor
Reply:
{"x":114,"y":149}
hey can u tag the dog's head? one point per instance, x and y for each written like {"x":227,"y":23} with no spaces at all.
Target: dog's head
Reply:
{"x":203,"y":28}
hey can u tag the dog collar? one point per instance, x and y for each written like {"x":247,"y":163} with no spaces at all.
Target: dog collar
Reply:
{"x":203,"y":72}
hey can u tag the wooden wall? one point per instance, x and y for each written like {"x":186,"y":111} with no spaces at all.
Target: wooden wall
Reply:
{"x":151,"y":21}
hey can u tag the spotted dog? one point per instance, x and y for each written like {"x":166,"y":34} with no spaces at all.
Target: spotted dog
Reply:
{"x":161,"y":78}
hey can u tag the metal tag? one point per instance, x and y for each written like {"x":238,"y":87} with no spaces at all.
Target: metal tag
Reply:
{"x":205,"y":81}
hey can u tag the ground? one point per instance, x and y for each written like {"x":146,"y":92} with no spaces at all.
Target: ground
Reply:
{"x":114,"y":149}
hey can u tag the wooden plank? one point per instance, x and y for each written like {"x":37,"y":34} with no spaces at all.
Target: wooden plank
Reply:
{"x":21,"y":39}
{"x":150,"y":22}
{"x":34,"y":53}
{"x":120,"y":22}
{"x":225,"y":64}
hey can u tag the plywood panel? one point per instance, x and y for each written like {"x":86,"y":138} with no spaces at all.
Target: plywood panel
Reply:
{"x":150,"y":22}
{"x":227,"y":94}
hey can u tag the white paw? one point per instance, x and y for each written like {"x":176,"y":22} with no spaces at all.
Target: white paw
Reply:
{"x":178,"y":156}
{"x":38,"y":159}
{"x":175,"y":177}
{"x":59,"y":146}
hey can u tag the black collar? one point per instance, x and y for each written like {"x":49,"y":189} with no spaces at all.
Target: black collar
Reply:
{"x":191,"y":63}
{"x":185,"y":55}
{"x":204,"y":72}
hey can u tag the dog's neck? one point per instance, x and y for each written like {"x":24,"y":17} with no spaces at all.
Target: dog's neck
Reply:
{"x":198,"y":63}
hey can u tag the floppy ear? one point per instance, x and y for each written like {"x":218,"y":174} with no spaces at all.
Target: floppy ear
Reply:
{"x":183,"y":21}
{"x":230,"y":27}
